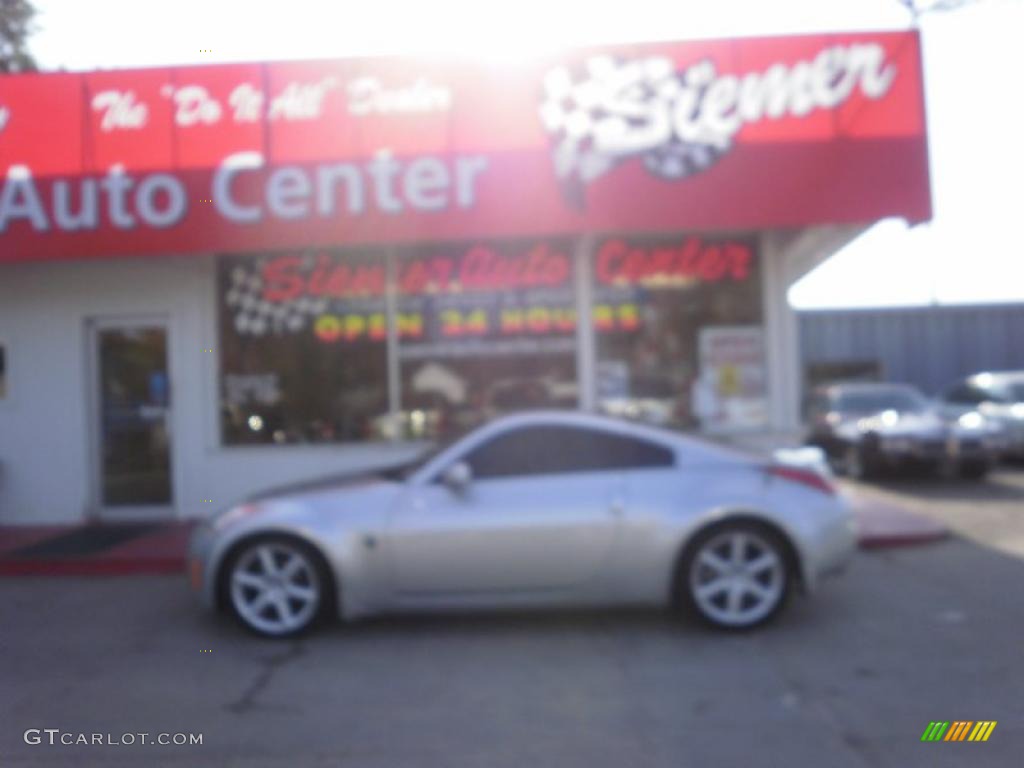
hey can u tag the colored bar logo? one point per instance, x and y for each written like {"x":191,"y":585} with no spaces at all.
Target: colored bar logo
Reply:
{"x":958,"y":730}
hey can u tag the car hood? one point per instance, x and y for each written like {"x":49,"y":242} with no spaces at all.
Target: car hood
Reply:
{"x":325,"y":483}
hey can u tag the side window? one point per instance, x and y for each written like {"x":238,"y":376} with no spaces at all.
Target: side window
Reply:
{"x":551,"y":450}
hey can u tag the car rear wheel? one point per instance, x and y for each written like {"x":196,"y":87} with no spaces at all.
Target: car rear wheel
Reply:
{"x":737,"y":576}
{"x":276,"y":586}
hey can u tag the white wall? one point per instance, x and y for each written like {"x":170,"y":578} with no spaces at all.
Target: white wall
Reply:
{"x":45,"y":469}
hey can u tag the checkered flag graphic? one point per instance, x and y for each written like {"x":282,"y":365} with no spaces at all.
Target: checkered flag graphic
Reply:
{"x":607,"y":102}
{"x":257,"y":316}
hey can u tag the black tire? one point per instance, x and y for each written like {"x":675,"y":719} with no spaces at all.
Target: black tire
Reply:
{"x":689,"y":575}
{"x":321,"y":579}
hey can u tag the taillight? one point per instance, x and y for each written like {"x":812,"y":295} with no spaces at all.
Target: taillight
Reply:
{"x":807,"y":477}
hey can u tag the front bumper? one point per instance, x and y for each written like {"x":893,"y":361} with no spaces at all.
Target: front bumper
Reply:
{"x":1013,"y":439}
{"x":199,"y":564}
{"x":953,"y":449}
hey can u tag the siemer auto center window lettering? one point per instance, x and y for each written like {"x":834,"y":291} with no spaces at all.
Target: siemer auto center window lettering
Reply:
{"x":484,"y":328}
{"x":498,"y":333}
{"x":303,"y":358}
{"x":680,"y":339}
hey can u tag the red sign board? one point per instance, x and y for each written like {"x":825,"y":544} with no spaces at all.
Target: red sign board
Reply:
{"x":720,"y":135}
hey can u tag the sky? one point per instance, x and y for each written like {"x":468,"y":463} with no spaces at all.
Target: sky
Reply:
{"x":970,"y":252}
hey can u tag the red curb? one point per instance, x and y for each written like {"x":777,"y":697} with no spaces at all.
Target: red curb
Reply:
{"x":882,"y":524}
{"x":159,"y":552}
{"x":93,"y":567}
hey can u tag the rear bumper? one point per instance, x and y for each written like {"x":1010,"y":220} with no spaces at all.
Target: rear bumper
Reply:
{"x":832,"y":550}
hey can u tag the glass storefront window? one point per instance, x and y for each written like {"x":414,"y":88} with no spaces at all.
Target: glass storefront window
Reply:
{"x":303,"y":347}
{"x":678,"y":322}
{"x":484,"y":329}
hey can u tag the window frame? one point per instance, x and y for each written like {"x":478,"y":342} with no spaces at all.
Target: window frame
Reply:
{"x":460,"y":452}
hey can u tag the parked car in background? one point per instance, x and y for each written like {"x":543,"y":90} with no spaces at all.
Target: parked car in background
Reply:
{"x":652,"y":399}
{"x":535,"y":509}
{"x":867,"y":428}
{"x":999,"y":396}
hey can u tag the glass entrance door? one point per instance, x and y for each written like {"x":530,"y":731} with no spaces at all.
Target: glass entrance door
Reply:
{"x":133,"y":407}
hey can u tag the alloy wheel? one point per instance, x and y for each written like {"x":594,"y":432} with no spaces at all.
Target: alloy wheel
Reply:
{"x":275,"y":588}
{"x":737,"y":578}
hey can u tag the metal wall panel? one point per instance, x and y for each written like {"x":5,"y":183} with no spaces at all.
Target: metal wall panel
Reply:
{"x":926,"y":346}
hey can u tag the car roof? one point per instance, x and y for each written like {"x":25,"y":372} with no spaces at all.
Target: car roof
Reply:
{"x":627,"y":427}
{"x":999,"y":376}
{"x":577,"y":418}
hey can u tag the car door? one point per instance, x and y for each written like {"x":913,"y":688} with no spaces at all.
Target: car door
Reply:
{"x":540,"y":515}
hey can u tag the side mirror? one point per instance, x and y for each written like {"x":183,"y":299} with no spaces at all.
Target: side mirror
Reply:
{"x":457,"y":477}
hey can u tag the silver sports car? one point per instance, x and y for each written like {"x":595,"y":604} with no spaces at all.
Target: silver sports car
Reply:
{"x":546,"y":508}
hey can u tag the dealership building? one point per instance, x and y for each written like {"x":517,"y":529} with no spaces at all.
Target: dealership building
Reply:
{"x":215,"y":279}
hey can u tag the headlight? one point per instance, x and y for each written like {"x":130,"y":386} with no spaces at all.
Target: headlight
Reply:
{"x":972,"y":420}
{"x":1017,"y":410}
{"x":232,"y":515}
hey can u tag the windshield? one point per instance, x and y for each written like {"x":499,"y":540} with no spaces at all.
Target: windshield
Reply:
{"x":874,"y":400}
{"x":406,"y":469}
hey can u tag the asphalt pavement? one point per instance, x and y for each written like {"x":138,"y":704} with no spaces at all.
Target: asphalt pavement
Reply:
{"x":851,"y":677}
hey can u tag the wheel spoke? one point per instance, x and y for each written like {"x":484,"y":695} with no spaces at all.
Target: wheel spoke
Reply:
{"x":261,"y":601}
{"x":267,"y":561}
{"x":761,"y":592}
{"x":737,"y":548}
{"x":284,"y":610}
{"x":292,"y":567}
{"x":713,"y":561}
{"x":300,"y":592}
{"x":734,"y":602}
{"x":761,"y":563}
{"x":246,"y":579}
{"x":712,"y":588}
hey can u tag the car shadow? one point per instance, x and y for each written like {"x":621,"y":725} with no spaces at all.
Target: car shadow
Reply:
{"x":511,"y":622}
{"x":996,"y":487}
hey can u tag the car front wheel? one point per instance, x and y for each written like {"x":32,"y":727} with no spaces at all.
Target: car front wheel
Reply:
{"x":736,"y":576}
{"x":276,"y":586}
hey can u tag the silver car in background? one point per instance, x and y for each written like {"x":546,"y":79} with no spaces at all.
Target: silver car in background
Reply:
{"x":535,"y":509}
{"x":999,"y":397}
